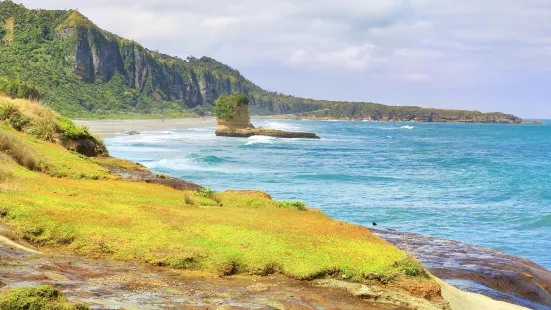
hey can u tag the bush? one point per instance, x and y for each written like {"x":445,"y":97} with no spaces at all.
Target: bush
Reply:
{"x":412,"y":267}
{"x":16,"y":148}
{"x":18,"y":89}
{"x":226,"y":105}
{"x":299,"y":205}
{"x":35,"y":298}
{"x":206,"y":192}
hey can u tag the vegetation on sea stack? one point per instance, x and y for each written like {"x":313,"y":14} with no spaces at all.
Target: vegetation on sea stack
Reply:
{"x":226,"y":105}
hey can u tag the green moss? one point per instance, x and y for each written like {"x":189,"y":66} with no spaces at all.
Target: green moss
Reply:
{"x":70,"y":130}
{"x":37,"y":298}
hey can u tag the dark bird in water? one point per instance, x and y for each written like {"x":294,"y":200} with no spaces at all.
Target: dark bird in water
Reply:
{"x":374,"y":224}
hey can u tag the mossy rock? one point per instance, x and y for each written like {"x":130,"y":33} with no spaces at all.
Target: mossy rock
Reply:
{"x":37,"y":298}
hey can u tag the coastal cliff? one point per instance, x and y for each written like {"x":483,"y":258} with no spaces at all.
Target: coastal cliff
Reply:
{"x":81,"y":70}
{"x":234,"y":120}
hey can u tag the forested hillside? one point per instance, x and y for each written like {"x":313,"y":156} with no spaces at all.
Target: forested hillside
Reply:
{"x":80,"y":70}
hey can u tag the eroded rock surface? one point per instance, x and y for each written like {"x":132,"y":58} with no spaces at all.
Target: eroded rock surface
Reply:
{"x":478,"y":270}
{"x":115,"y":285}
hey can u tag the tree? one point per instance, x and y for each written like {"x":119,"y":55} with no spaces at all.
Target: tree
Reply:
{"x":226,"y":105}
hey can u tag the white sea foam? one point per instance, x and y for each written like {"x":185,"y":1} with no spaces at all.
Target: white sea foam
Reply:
{"x":202,"y":129}
{"x":407,"y":127}
{"x":189,"y":164}
{"x":261,"y":140}
{"x":281,"y":126}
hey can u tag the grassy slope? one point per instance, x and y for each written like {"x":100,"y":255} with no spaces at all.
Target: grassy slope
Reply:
{"x":224,"y":234}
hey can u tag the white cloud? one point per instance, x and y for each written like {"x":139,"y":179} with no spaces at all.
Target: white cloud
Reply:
{"x":416,"y":77}
{"x":443,"y":43}
{"x":353,"y":58}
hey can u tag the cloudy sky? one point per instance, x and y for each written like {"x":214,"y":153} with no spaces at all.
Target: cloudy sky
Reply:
{"x":488,"y":55}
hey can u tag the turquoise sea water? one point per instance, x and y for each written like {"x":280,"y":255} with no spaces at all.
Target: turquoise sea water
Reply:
{"x":481,"y":184}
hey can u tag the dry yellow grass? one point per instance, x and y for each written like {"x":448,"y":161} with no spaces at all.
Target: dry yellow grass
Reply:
{"x":16,"y":148}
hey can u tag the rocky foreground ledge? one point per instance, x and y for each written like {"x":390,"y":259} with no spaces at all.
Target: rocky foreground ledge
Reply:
{"x":479,"y":270}
{"x":234,"y":120}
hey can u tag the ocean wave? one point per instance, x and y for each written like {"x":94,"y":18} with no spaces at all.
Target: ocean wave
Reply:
{"x":281,"y":126}
{"x":209,"y":159}
{"x":189,"y":164}
{"x":261,"y":140}
{"x":202,"y":129}
{"x":543,"y":221}
{"x":407,"y":127}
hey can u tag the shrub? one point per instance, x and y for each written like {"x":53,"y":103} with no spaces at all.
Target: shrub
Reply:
{"x":206,"y":192}
{"x":18,"y":150}
{"x":412,"y":267}
{"x":40,"y":297}
{"x":189,"y":199}
{"x":299,"y":205}
{"x":226,"y":105}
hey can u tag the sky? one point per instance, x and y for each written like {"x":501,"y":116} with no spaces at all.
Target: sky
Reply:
{"x":486,"y":55}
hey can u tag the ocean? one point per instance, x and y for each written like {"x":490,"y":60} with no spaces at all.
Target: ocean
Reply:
{"x":480,"y":184}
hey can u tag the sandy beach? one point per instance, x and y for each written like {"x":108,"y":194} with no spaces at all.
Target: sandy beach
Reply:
{"x":107,"y":128}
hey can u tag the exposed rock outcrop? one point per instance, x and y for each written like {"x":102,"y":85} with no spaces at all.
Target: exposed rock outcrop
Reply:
{"x":238,"y":124}
{"x":479,"y":270}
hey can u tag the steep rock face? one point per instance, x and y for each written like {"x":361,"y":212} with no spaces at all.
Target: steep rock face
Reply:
{"x":241,"y":120}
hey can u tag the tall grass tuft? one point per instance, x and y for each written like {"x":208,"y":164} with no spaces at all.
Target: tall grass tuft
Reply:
{"x":16,"y":148}
{"x":6,"y":172}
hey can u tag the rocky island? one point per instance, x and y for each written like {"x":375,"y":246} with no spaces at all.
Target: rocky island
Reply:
{"x":234,"y":120}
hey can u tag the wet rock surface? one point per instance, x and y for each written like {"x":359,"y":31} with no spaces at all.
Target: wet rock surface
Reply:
{"x":249,"y":132}
{"x":147,"y":176}
{"x":475,"y":269}
{"x":114,"y":285}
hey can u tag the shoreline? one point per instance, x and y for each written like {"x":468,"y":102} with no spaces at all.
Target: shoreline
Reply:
{"x":185,"y":124}
{"x":89,"y":271}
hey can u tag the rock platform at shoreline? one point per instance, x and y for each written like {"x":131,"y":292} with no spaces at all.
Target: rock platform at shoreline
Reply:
{"x":479,"y":270}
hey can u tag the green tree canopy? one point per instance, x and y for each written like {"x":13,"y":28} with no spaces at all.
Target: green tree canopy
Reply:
{"x":226,"y":105}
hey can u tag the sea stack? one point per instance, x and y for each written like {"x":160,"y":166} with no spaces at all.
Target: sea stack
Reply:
{"x":232,"y":114}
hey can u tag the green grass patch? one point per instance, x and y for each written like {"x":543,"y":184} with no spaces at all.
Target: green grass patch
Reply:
{"x":298,"y":205}
{"x":37,"y":298}
{"x":219,"y":233}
